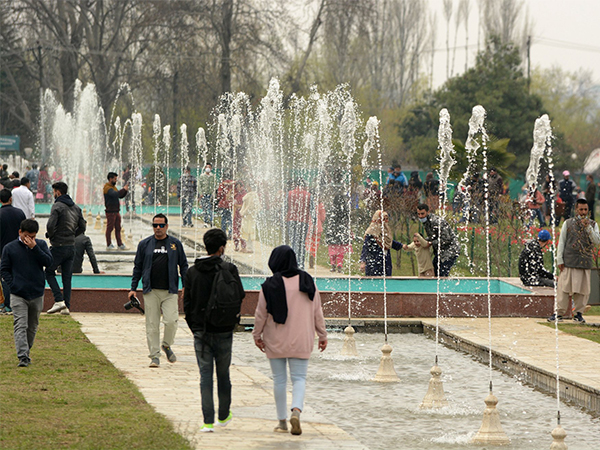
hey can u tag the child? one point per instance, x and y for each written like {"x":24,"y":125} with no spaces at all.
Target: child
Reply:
{"x":423,"y":253}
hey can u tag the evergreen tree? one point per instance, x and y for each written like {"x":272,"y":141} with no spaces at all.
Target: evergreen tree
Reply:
{"x":498,"y":84}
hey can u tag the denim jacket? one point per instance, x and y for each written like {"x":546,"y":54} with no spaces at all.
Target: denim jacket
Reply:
{"x":143,"y":264}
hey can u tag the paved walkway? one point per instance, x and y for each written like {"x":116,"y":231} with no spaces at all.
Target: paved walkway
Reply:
{"x":173,"y":390}
{"x":138,"y":228}
{"x":533,"y":343}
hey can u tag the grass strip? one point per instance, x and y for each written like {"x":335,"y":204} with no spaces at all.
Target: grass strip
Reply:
{"x":593,"y":311}
{"x":72,"y":397}
{"x":580,"y":330}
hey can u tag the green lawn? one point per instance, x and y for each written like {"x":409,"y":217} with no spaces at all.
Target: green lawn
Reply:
{"x":594,"y":311}
{"x":71,"y":396}
{"x":582,"y":331}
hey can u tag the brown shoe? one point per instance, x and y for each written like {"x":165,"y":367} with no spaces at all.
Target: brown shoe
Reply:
{"x":295,"y":423}
{"x":281,"y":427}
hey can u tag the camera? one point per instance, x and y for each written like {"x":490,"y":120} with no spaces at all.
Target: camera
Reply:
{"x":134,"y":303}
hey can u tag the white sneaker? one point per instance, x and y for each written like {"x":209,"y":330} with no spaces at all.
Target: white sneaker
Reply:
{"x":66,"y":312}
{"x":207,"y":428}
{"x":110,"y":247}
{"x":58,"y":306}
{"x":122,"y":247}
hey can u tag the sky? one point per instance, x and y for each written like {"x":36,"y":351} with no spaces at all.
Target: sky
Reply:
{"x":565,"y":33}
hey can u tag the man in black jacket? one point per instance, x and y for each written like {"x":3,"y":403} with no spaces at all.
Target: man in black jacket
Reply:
{"x":22,"y":267}
{"x":112,"y":204}
{"x":531,"y":262}
{"x":10,"y":221}
{"x":83,"y":244}
{"x":65,"y":222}
{"x":212,"y":344}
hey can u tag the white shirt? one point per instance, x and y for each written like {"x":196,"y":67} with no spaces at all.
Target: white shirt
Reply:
{"x":22,"y":198}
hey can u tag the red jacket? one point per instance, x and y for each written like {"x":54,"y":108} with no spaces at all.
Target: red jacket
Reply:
{"x":225,"y":194}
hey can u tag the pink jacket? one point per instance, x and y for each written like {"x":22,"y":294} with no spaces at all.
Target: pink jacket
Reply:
{"x":296,"y":337}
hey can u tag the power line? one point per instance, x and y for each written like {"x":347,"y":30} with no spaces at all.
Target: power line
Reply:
{"x":567,"y":45}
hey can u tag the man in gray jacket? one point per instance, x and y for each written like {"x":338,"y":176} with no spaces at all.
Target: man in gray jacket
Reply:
{"x":578,"y":236}
{"x":65,"y":222}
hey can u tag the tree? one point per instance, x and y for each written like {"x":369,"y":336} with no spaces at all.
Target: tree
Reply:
{"x":18,"y":97}
{"x":573,"y":103}
{"x":504,"y":19}
{"x":498,"y":84}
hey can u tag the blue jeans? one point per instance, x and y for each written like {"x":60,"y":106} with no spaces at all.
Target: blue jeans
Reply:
{"x":540,"y":217}
{"x":297,"y":232}
{"x":63,"y":257}
{"x":207,"y":209}
{"x":214,"y":349}
{"x":226,"y":222}
{"x":445,"y":266}
{"x":298,"y":369}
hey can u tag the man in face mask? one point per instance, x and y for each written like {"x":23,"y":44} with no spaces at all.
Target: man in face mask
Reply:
{"x":578,"y":236}
{"x":206,"y":187}
{"x":441,"y":238}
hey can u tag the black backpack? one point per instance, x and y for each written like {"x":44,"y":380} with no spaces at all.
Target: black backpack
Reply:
{"x":225,"y":302}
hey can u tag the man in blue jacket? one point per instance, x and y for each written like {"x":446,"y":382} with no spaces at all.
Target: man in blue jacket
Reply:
{"x":155,"y":263}
{"x":398,"y":177}
{"x":23,"y":262}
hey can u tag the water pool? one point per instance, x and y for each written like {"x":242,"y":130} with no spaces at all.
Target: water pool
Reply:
{"x":340,"y":284}
{"x":385,"y":416}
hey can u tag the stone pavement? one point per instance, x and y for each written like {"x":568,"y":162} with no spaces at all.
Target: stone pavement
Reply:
{"x":138,"y":227}
{"x":173,"y":390}
{"x":530,"y":342}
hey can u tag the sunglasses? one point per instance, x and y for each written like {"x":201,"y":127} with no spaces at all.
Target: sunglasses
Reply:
{"x":161,"y":225}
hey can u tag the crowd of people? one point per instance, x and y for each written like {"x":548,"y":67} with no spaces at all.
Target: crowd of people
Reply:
{"x":289,"y":312}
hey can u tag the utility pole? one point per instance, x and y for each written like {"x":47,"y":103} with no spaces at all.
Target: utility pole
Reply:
{"x":528,"y":63}
{"x":174,"y":146}
{"x":42,"y":121}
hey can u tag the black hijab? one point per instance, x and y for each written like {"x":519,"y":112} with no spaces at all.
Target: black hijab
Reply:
{"x":282,"y":263}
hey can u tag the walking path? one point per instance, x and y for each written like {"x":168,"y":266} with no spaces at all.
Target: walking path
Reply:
{"x":532,"y":343}
{"x":138,"y":228}
{"x":173,"y":389}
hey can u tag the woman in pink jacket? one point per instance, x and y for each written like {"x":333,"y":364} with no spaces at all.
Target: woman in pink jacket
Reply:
{"x":285,"y":321}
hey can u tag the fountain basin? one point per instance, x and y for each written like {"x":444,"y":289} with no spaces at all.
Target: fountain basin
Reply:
{"x":341,"y":388}
{"x":406,"y":297}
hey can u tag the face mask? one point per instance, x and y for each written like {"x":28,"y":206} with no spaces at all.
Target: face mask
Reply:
{"x":422,"y":219}
{"x":207,"y":170}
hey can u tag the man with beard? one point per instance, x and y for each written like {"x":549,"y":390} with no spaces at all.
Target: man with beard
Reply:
{"x":578,"y":236}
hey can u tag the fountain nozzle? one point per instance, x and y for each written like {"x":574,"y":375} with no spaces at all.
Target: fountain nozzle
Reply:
{"x":349,"y":347}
